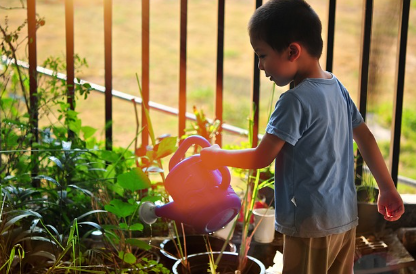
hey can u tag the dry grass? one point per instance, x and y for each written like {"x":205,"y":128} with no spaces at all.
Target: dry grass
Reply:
{"x":164,"y":56}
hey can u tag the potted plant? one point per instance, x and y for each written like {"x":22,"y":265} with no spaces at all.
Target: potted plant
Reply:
{"x":369,"y":219}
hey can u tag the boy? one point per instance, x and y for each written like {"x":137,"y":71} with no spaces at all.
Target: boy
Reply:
{"x":310,"y":136}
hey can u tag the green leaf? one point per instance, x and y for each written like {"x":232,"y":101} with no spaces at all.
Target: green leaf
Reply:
{"x":116,"y":188}
{"x":134,"y":180}
{"x":123,"y":226}
{"x":88,"y":131}
{"x":56,"y":161}
{"x":127,"y":257}
{"x":166,"y":147}
{"x":97,"y":226}
{"x":23,"y":214}
{"x":75,"y":126}
{"x":90,"y":213}
{"x":85,"y":191}
{"x":120,"y":208}
{"x":138,"y":243}
{"x":109,"y":156}
{"x":47,"y":178}
{"x":136,"y":227}
{"x":151,"y":199}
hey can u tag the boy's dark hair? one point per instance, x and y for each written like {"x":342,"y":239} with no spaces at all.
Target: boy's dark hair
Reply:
{"x":281,"y":22}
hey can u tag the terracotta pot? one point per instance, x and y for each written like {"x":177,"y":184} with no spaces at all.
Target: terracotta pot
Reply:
{"x":227,"y":265}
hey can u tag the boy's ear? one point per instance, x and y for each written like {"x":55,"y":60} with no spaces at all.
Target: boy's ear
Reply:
{"x":294,"y":51}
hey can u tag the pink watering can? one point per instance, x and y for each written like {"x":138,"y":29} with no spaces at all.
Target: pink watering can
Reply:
{"x":202,"y":198}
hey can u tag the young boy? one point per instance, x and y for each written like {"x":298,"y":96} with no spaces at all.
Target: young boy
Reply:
{"x":310,"y":136}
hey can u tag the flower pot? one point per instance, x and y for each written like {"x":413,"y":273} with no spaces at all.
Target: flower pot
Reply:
{"x":369,"y":219}
{"x":227,"y":265}
{"x":194,"y":244}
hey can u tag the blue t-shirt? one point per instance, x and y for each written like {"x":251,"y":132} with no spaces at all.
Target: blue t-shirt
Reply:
{"x":315,"y":194}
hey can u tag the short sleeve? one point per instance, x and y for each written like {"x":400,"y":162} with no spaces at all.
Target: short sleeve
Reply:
{"x":286,"y":120}
{"x":356,"y":117}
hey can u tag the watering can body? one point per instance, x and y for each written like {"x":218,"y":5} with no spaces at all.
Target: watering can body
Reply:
{"x":202,"y":198}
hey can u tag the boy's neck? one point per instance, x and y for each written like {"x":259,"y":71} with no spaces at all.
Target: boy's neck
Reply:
{"x":309,"y":68}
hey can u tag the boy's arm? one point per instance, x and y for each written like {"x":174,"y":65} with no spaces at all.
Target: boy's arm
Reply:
{"x":251,"y":158}
{"x":390,"y":203}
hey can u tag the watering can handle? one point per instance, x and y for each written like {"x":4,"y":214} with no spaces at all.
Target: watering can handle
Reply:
{"x":202,"y":142}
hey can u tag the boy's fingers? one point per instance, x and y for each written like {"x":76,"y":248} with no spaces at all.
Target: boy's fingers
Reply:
{"x":394,"y":215}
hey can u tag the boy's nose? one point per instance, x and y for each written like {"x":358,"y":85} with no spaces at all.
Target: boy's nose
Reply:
{"x":260,"y":65}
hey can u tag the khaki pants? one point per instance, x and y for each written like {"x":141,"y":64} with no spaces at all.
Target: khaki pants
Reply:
{"x":333,"y":254}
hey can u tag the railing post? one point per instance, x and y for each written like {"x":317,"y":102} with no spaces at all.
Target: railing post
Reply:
{"x":398,"y":98}
{"x":256,"y":93}
{"x":330,"y":35}
{"x":108,"y":64}
{"x":145,"y":70}
{"x":220,"y":69}
{"x":70,"y":67}
{"x":182,"y":67}
{"x":69,"y":34}
{"x":33,"y":85}
{"x":365,"y":63}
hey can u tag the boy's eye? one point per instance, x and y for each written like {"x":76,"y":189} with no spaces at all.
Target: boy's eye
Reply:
{"x":261,"y":56}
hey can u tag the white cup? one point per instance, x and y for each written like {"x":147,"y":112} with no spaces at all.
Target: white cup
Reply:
{"x":225,"y":231}
{"x":264,"y":222}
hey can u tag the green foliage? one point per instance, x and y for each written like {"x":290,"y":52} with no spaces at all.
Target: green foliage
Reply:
{"x":408,"y":141}
{"x":203,"y":127}
{"x":52,"y":176}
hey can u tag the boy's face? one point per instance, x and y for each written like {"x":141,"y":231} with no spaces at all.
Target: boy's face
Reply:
{"x":276,"y":65}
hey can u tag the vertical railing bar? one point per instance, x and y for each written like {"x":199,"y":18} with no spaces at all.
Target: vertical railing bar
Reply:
{"x":145,"y":69}
{"x":108,"y":66}
{"x":70,"y":67}
{"x":330,"y":35}
{"x":220,"y":69}
{"x":182,"y":67}
{"x":33,"y":85}
{"x":255,"y":96}
{"x":365,"y":64}
{"x":69,"y":34}
{"x":399,"y":92}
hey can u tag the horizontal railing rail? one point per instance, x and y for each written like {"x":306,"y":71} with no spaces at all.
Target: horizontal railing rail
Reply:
{"x":124,"y":96}
{"x":156,"y":106}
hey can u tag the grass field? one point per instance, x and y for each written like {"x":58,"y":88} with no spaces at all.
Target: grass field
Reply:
{"x":201,"y":56}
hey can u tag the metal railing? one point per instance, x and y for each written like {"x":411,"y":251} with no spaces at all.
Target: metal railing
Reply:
{"x":181,"y":111}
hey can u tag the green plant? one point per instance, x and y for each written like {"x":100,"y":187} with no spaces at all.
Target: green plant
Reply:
{"x":203,"y":127}
{"x":123,"y":192}
{"x":367,"y":191}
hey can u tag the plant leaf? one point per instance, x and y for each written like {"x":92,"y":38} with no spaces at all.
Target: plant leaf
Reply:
{"x":134,"y":180}
{"x":136,"y":227}
{"x":85,"y":191}
{"x":109,"y":156}
{"x":120,"y":208}
{"x":24,"y":214}
{"x":47,"y":178}
{"x":91,"y":212}
{"x":166,"y":147}
{"x":138,"y":243}
{"x":97,"y":226}
{"x":44,"y":254}
{"x":88,"y":131}
{"x":56,"y":161}
{"x":127,"y":257}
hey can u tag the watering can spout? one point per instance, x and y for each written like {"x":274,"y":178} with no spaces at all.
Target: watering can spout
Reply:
{"x":149,"y":212}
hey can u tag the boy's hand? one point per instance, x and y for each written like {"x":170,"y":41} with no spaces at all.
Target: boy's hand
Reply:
{"x":390,"y":205}
{"x":209,"y":156}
